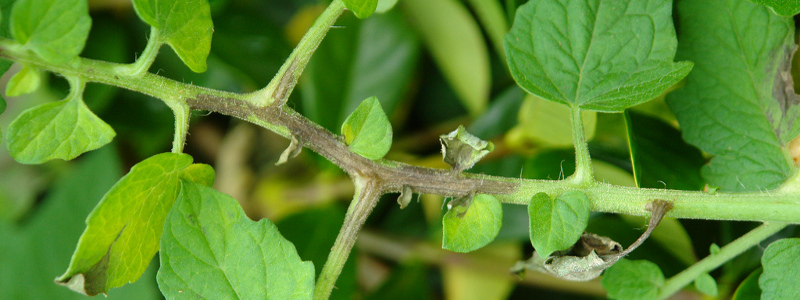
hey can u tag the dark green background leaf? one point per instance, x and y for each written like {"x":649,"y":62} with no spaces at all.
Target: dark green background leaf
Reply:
{"x":55,"y":29}
{"x":661,"y":159}
{"x":557,"y":223}
{"x":456,"y":44}
{"x":749,"y":288}
{"x":633,"y":279}
{"x":208,"y":239}
{"x":781,"y":274}
{"x":34,"y":252}
{"x":735,"y":103}
{"x":619,"y":57}
{"x":374,"y":57}
{"x":185,"y":25}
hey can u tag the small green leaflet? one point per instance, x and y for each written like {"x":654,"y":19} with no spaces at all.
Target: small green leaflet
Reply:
{"x":781,"y":273}
{"x":56,"y":30}
{"x":25,"y":81}
{"x":557,"y":223}
{"x":57,"y":130}
{"x":738,"y":104}
{"x":706,"y":284}
{"x":461,"y":149}
{"x":185,"y":25}
{"x":361,"y":8}
{"x":471,"y":223}
{"x":123,"y":231}
{"x":602,"y":55}
{"x":785,"y":8}
{"x":367,"y":130}
{"x":211,"y":250}
{"x":633,"y":279}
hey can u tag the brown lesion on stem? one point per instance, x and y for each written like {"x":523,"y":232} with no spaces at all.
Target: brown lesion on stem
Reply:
{"x":391,"y":176}
{"x":287,"y":82}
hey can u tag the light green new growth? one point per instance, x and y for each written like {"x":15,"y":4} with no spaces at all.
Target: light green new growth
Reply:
{"x":471,"y":223}
{"x":556,"y":223}
{"x":367,"y":130}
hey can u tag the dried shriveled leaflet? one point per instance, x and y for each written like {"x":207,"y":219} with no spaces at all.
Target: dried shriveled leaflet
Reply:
{"x":592,"y":254}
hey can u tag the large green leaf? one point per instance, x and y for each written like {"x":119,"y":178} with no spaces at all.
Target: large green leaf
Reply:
{"x":602,"y":55}
{"x":211,"y":250}
{"x":123,"y":231}
{"x":32,"y":253}
{"x":557,"y":223}
{"x":786,"y":8}
{"x":633,"y":279}
{"x":660,"y":158}
{"x":361,"y":8}
{"x":471,"y":224}
{"x":749,"y":288}
{"x":56,"y":30}
{"x":376,"y":57}
{"x":367,"y":130}
{"x":781,"y":274}
{"x":57,"y":130}
{"x":738,"y":103}
{"x":457,"y":45}
{"x":185,"y":25}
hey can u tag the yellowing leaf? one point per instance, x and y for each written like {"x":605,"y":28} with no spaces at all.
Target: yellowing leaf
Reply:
{"x":367,"y":130}
{"x":124,"y":229}
{"x":25,"y":81}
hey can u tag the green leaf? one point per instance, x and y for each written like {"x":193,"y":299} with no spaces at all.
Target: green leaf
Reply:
{"x":56,"y":30}
{"x":659,"y":156}
{"x":185,"y":25}
{"x":557,"y":223}
{"x":786,"y":8}
{"x":367,"y":130}
{"x":633,"y":279}
{"x":603,"y":55}
{"x":27,"y":80}
{"x":706,"y":284}
{"x":361,"y":8}
{"x":749,"y":289}
{"x":457,"y":46}
{"x":32,"y":252}
{"x":374,"y":57}
{"x":781,"y":275}
{"x":124,"y":229}
{"x":211,"y":250}
{"x":735,"y":104}
{"x":57,"y":130}
{"x":472,"y":224}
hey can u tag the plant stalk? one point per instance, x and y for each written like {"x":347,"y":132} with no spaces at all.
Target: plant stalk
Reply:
{"x":713,"y":261}
{"x":281,"y":86}
{"x":364,"y":200}
{"x":583,"y":175}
